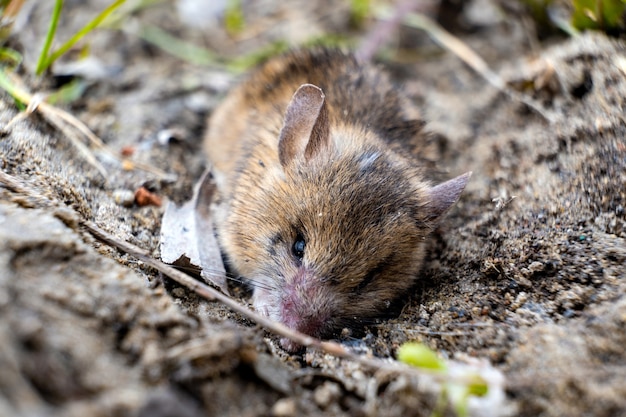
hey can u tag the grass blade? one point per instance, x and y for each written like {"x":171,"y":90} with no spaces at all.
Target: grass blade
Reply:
{"x":11,"y":56}
{"x":176,"y":47}
{"x":7,"y":85}
{"x":82,"y":32}
{"x":42,"y":62}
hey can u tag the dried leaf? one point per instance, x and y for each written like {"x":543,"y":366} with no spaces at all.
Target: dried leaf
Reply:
{"x":187,"y":236}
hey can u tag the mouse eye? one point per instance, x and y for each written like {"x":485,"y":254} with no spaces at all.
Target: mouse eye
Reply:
{"x":298,"y":247}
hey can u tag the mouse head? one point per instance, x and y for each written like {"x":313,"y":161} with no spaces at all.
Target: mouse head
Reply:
{"x":305,"y":137}
{"x":349,"y":237}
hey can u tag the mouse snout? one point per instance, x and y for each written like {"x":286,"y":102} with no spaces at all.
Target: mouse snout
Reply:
{"x":307,"y":303}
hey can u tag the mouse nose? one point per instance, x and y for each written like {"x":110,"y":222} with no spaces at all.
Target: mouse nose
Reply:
{"x":306,"y":304}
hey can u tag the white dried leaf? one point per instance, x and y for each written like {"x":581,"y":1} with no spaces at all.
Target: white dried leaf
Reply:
{"x":187,"y":235}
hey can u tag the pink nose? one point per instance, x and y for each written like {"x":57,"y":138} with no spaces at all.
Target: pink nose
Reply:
{"x":312,"y":325}
{"x":306,"y":303}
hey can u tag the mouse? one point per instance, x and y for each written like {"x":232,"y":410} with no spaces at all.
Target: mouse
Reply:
{"x":324,"y":202}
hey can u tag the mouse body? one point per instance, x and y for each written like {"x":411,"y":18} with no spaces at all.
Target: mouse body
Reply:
{"x":322,"y":198}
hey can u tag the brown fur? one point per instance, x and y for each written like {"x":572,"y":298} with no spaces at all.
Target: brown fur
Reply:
{"x":333,"y":168}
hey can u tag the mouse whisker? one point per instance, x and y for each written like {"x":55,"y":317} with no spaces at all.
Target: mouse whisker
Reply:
{"x":267,"y":285}
{"x":256,"y":283}
{"x":213,"y":272}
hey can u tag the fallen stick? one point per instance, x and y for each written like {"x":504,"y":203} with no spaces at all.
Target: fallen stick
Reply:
{"x":73,"y":220}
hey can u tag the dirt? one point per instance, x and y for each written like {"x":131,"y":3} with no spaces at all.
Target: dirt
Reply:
{"x":528,"y":270}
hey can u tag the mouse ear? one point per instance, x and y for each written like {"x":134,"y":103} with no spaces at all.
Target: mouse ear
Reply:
{"x":444,"y":195}
{"x":306,"y":128}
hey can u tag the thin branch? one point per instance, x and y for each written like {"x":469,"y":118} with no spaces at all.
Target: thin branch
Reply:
{"x":471,"y":58}
{"x":66,"y":123}
{"x":210,"y":293}
{"x":275,"y":327}
{"x":446,"y":40}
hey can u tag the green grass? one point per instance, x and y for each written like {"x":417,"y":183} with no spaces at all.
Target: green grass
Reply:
{"x":233,"y":17}
{"x":359,"y":11}
{"x":177,"y":47}
{"x":604,"y":15}
{"x":598,"y":14}
{"x":45,"y":58}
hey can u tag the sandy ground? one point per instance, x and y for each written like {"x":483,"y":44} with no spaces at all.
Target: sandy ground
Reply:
{"x":528,"y":271}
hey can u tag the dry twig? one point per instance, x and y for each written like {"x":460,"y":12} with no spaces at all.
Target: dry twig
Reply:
{"x":71,"y":127}
{"x":73,"y":219}
{"x":403,"y":14}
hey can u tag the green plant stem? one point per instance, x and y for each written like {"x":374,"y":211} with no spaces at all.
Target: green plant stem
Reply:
{"x":11,"y":56}
{"x":359,"y":10}
{"x":233,"y":17}
{"x":177,"y":47}
{"x":7,"y":85}
{"x":68,"y":93}
{"x":42,"y":62}
{"x":81,"y":33}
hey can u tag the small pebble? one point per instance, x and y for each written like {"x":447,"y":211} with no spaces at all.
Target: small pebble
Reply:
{"x":143,"y":197}
{"x":326,"y":393}
{"x":124,"y":198}
{"x":535,"y":267}
{"x":285,"y":407}
{"x":174,"y":134}
{"x":127,"y":150}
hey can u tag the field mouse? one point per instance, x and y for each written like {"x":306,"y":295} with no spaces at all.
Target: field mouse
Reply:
{"x":322,"y":201}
